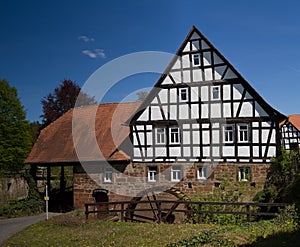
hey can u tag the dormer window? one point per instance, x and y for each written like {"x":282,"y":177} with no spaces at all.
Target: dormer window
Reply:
{"x":183,"y":94}
{"x":196,"y":59}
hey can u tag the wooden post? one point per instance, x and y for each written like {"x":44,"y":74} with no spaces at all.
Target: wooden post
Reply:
{"x":200,"y":213}
{"x":86,"y":212}
{"x":159,"y":212}
{"x":248,"y":212}
{"x":49,"y":178}
{"x":122,"y":211}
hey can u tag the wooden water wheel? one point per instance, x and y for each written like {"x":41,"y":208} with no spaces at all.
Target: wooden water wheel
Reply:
{"x":157,"y":207}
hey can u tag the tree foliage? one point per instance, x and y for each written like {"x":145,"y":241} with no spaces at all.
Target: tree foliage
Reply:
{"x":63,"y":99}
{"x":15,"y":137}
{"x":141,"y":96}
{"x":283,"y":180}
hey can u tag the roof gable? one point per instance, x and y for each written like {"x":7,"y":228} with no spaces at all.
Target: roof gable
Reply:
{"x":213,"y":68}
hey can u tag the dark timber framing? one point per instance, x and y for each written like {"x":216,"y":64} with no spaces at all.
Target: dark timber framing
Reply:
{"x":201,"y":132}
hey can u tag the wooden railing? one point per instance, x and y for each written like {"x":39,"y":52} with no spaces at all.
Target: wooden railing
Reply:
{"x":127,"y":210}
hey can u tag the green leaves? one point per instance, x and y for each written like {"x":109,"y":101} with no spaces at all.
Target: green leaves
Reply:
{"x":15,"y":138}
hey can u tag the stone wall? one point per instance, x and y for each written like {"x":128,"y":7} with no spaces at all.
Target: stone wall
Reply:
{"x":190,"y":184}
{"x":13,"y":189}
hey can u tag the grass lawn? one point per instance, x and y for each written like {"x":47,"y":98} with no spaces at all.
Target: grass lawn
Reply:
{"x":71,"y":230}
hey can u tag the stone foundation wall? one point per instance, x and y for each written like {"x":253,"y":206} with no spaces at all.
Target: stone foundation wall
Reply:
{"x":224,"y":173}
{"x":13,"y":189}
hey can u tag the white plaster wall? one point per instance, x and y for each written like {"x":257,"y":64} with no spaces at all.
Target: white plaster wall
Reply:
{"x":167,"y":81}
{"x":177,"y":64}
{"x":176,"y":76}
{"x":186,"y":76}
{"x":227,"y":110}
{"x":228,"y":151}
{"x":243,"y":151}
{"x":215,"y":110}
{"x":160,"y":151}
{"x":205,"y":137}
{"x":208,"y":74}
{"x":194,"y":111}
{"x":145,"y":114}
{"x":186,"y":137}
{"x":246,"y":110}
{"x":175,"y":151}
{"x":204,"y":111}
{"x":196,"y":152}
{"x":197,"y":75}
{"x":163,"y":95}
{"x":204,"y":93}
{"x":195,"y":45}
{"x":186,"y":61}
{"x":155,"y":113}
{"x":173,"y":95}
{"x":184,"y":111}
{"x":196,"y":139}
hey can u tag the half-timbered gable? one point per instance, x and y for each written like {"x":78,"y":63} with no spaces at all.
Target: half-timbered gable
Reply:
{"x":290,"y":132}
{"x":202,"y":110}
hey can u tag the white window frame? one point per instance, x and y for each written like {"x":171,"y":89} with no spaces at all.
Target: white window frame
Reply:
{"x":176,"y":173}
{"x":152,"y":173}
{"x":183,"y":91}
{"x":201,"y":172}
{"x":243,"y":134}
{"x":227,"y":132}
{"x":160,"y":136}
{"x":196,"y":59}
{"x":212,"y":93}
{"x":174,"y":134}
{"x":244,"y":172}
{"x":108,"y":175}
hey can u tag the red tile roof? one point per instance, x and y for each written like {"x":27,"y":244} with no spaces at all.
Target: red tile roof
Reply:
{"x":294,"y":120}
{"x":55,"y":143}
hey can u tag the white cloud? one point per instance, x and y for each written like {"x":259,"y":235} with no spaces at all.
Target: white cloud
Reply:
{"x":94,"y":53}
{"x":86,"y":39}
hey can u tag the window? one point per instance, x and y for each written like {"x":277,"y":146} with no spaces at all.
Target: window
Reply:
{"x":152,"y":173}
{"x":202,"y":172}
{"x":176,"y":173}
{"x":160,"y":135}
{"x":183,"y":94}
{"x":244,"y":174}
{"x":228,"y":133}
{"x":243,"y":133}
{"x":196,"y":59}
{"x":108,"y":175}
{"x":215,"y":93}
{"x":174,"y":135}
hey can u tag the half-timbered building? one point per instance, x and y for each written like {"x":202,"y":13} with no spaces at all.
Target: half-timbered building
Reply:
{"x":201,"y":122}
{"x":290,"y":131}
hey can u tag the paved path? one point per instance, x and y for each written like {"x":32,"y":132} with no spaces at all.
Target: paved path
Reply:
{"x":9,"y":227}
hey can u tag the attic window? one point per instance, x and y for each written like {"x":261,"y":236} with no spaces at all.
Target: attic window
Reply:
{"x":196,"y":59}
{"x":215,"y":93}
{"x":183,"y":94}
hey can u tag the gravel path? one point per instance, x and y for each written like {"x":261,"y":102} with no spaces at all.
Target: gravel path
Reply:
{"x":9,"y":227}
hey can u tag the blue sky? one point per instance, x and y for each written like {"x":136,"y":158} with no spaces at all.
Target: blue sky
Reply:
{"x":44,"y":42}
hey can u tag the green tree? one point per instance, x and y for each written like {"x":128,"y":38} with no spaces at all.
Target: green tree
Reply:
{"x":63,"y":99}
{"x":283,"y":180}
{"x":141,"y":95}
{"x":15,"y":137}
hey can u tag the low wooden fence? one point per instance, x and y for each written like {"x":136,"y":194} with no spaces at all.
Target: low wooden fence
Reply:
{"x":127,"y":209}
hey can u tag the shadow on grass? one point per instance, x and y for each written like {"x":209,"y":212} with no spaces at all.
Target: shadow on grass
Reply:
{"x":277,"y":240}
